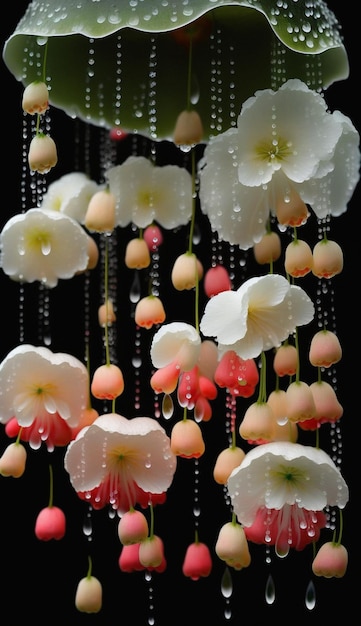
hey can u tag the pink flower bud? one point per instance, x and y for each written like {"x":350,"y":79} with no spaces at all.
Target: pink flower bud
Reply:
{"x":89,"y":595}
{"x":42,"y":154}
{"x":216,"y":280}
{"x":35,"y":98}
{"x":325,"y":349}
{"x":50,"y":524}
{"x":327,"y":259}
{"x":151,"y":552}
{"x":330,"y":561}
{"x":129,"y":558}
{"x":107,"y":382}
{"x":197,"y":561}
{"x":186,"y":439}
{"x":153,"y":237}
{"x":137,"y":254}
{"x":132,"y":527}
{"x":13,"y":460}
{"x":87,"y":417}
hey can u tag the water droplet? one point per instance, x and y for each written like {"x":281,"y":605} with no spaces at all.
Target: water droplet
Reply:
{"x":167,"y":406}
{"x":310,"y":597}
{"x":226,"y":583}
{"x":134,"y":294}
{"x":270,"y":593}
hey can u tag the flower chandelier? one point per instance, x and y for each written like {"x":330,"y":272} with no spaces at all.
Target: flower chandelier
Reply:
{"x":191,"y":221}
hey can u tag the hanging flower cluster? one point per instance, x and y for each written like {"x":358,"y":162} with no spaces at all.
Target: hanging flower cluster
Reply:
{"x":283,"y":162}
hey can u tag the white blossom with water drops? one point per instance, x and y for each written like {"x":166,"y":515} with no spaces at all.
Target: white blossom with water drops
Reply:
{"x":43,"y":245}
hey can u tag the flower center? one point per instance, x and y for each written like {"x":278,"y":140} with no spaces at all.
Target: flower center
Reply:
{"x":276,"y":150}
{"x":40,"y":239}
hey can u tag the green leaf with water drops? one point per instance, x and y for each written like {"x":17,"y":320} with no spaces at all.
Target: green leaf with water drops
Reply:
{"x":125,"y":63}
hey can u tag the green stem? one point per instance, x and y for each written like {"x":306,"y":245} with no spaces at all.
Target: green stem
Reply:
{"x":262,"y":394}
{"x":151,"y":525}
{"x":89,"y":572}
{"x":106,"y":291}
{"x":189,"y":77}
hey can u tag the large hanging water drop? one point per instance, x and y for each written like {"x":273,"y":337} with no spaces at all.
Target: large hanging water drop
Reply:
{"x":270,"y":592}
{"x":310,"y":597}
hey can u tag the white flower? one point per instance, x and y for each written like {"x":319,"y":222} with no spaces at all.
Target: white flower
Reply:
{"x":36,"y":383}
{"x":70,"y":195}
{"x":330,"y":194}
{"x":118,"y":457}
{"x":278,"y":474}
{"x":284,"y":139}
{"x":176,"y":342}
{"x":261,"y":314}
{"x":43,"y":245}
{"x":146,"y":193}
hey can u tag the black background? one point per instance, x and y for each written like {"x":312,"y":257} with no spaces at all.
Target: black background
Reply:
{"x":38,"y":580}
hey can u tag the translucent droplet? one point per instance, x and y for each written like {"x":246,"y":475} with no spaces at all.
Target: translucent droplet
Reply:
{"x":134,"y":294}
{"x":310,"y":597}
{"x":226,"y":583}
{"x":167,"y":406}
{"x":270,"y":593}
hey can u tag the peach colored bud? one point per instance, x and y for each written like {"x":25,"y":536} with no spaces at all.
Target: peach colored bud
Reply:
{"x":216,"y":280}
{"x":327,"y":259}
{"x":283,"y":430}
{"x":226,"y":461}
{"x":328,"y":408}
{"x":184,"y":272}
{"x":87,"y":417}
{"x":188,"y":129}
{"x":151,"y":551}
{"x":300,"y":403}
{"x":325,"y":349}
{"x":208,"y":358}
{"x":298,"y":258}
{"x":13,"y":460}
{"x":89,"y":595}
{"x":107,"y":382}
{"x":50,"y":524}
{"x":132,"y":527}
{"x":100,"y":214}
{"x":137,"y":255}
{"x":35,"y":98}
{"x":232,"y":546}
{"x":149,"y":311}
{"x":330,"y":561}
{"x":186,"y":439}
{"x":285,"y":361}
{"x":42,"y":154}
{"x":106,"y":314}
{"x":268,"y":249}
{"x":291,"y":210}
{"x":153,"y":236}
{"x":257,"y":423}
